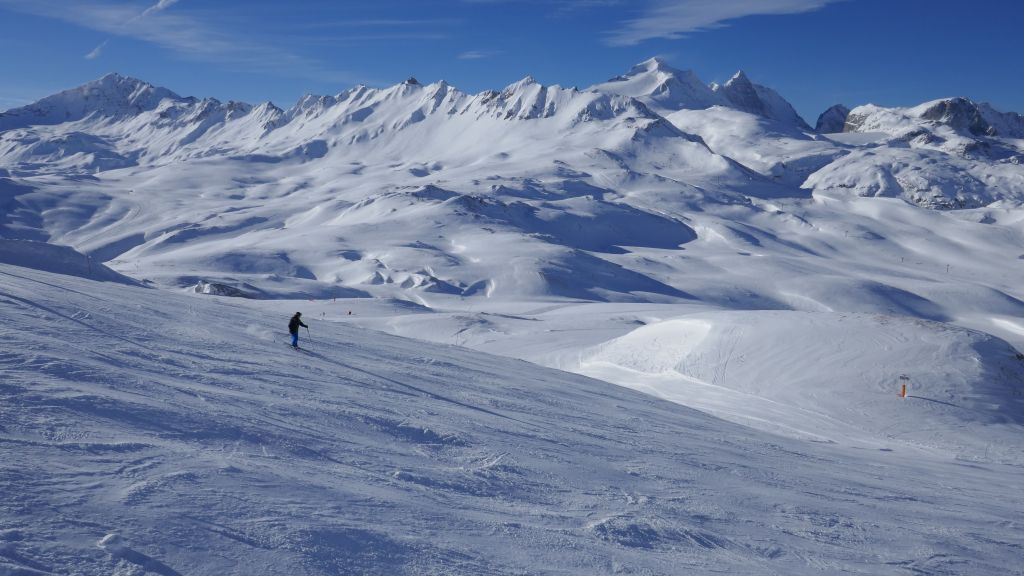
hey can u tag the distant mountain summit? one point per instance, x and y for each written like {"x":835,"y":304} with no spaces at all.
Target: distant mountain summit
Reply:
{"x":965,"y":115}
{"x":744,"y":95}
{"x":665,"y":90}
{"x":960,"y":114}
{"x":112,"y":95}
{"x":663,"y":87}
{"x":740,"y":91}
{"x":956,"y":116}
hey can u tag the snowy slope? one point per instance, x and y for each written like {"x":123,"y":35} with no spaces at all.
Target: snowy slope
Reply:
{"x":52,"y":258}
{"x":776,"y":150}
{"x":148,"y":432}
{"x":968,"y":385}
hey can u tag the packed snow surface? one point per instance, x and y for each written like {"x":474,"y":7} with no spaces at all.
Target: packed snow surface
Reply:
{"x":149,"y":432}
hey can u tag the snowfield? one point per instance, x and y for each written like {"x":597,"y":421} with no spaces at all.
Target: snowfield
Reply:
{"x":648,"y":327}
{"x":836,"y":382}
{"x":150,"y":432}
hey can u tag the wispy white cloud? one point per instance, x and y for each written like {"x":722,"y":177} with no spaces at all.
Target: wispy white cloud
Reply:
{"x":354,"y":31}
{"x":350,"y":40}
{"x":556,"y":8}
{"x":478,"y":54}
{"x":674,"y":18}
{"x":182,"y":34}
{"x":97,"y":51}
{"x":161,"y":5}
{"x":382,"y":23}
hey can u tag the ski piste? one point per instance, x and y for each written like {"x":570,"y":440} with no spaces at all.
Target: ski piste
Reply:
{"x":228,"y":459}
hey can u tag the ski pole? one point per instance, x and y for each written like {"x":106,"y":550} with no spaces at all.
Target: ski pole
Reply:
{"x":309,"y":335}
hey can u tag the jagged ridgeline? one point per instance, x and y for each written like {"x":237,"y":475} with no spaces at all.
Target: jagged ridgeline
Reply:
{"x":425,"y":188}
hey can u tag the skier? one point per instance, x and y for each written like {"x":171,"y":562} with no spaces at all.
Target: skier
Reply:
{"x":293,"y":328}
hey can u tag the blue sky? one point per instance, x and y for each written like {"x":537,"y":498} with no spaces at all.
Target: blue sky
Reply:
{"x":815,"y":52}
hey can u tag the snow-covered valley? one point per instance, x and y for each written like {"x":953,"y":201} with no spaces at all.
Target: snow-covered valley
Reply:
{"x":717,"y":307}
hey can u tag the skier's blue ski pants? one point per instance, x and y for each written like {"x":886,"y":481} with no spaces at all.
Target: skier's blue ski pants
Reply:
{"x":295,"y":339}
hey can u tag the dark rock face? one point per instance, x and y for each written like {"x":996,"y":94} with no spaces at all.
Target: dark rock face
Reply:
{"x":1006,"y":124}
{"x":961,"y":114}
{"x":741,"y":93}
{"x":832,"y":120}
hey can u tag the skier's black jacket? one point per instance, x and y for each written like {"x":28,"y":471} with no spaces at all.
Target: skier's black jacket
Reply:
{"x":293,"y":325}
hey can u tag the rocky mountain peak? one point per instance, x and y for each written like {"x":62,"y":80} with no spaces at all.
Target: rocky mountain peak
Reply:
{"x":832,"y":120}
{"x":742,"y":94}
{"x":959,"y":113}
{"x":655,"y":64}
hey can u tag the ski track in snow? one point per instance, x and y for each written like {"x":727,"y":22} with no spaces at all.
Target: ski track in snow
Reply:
{"x":148,"y":432}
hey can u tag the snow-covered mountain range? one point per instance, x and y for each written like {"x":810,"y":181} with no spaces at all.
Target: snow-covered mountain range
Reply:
{"x":340,"y":193}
